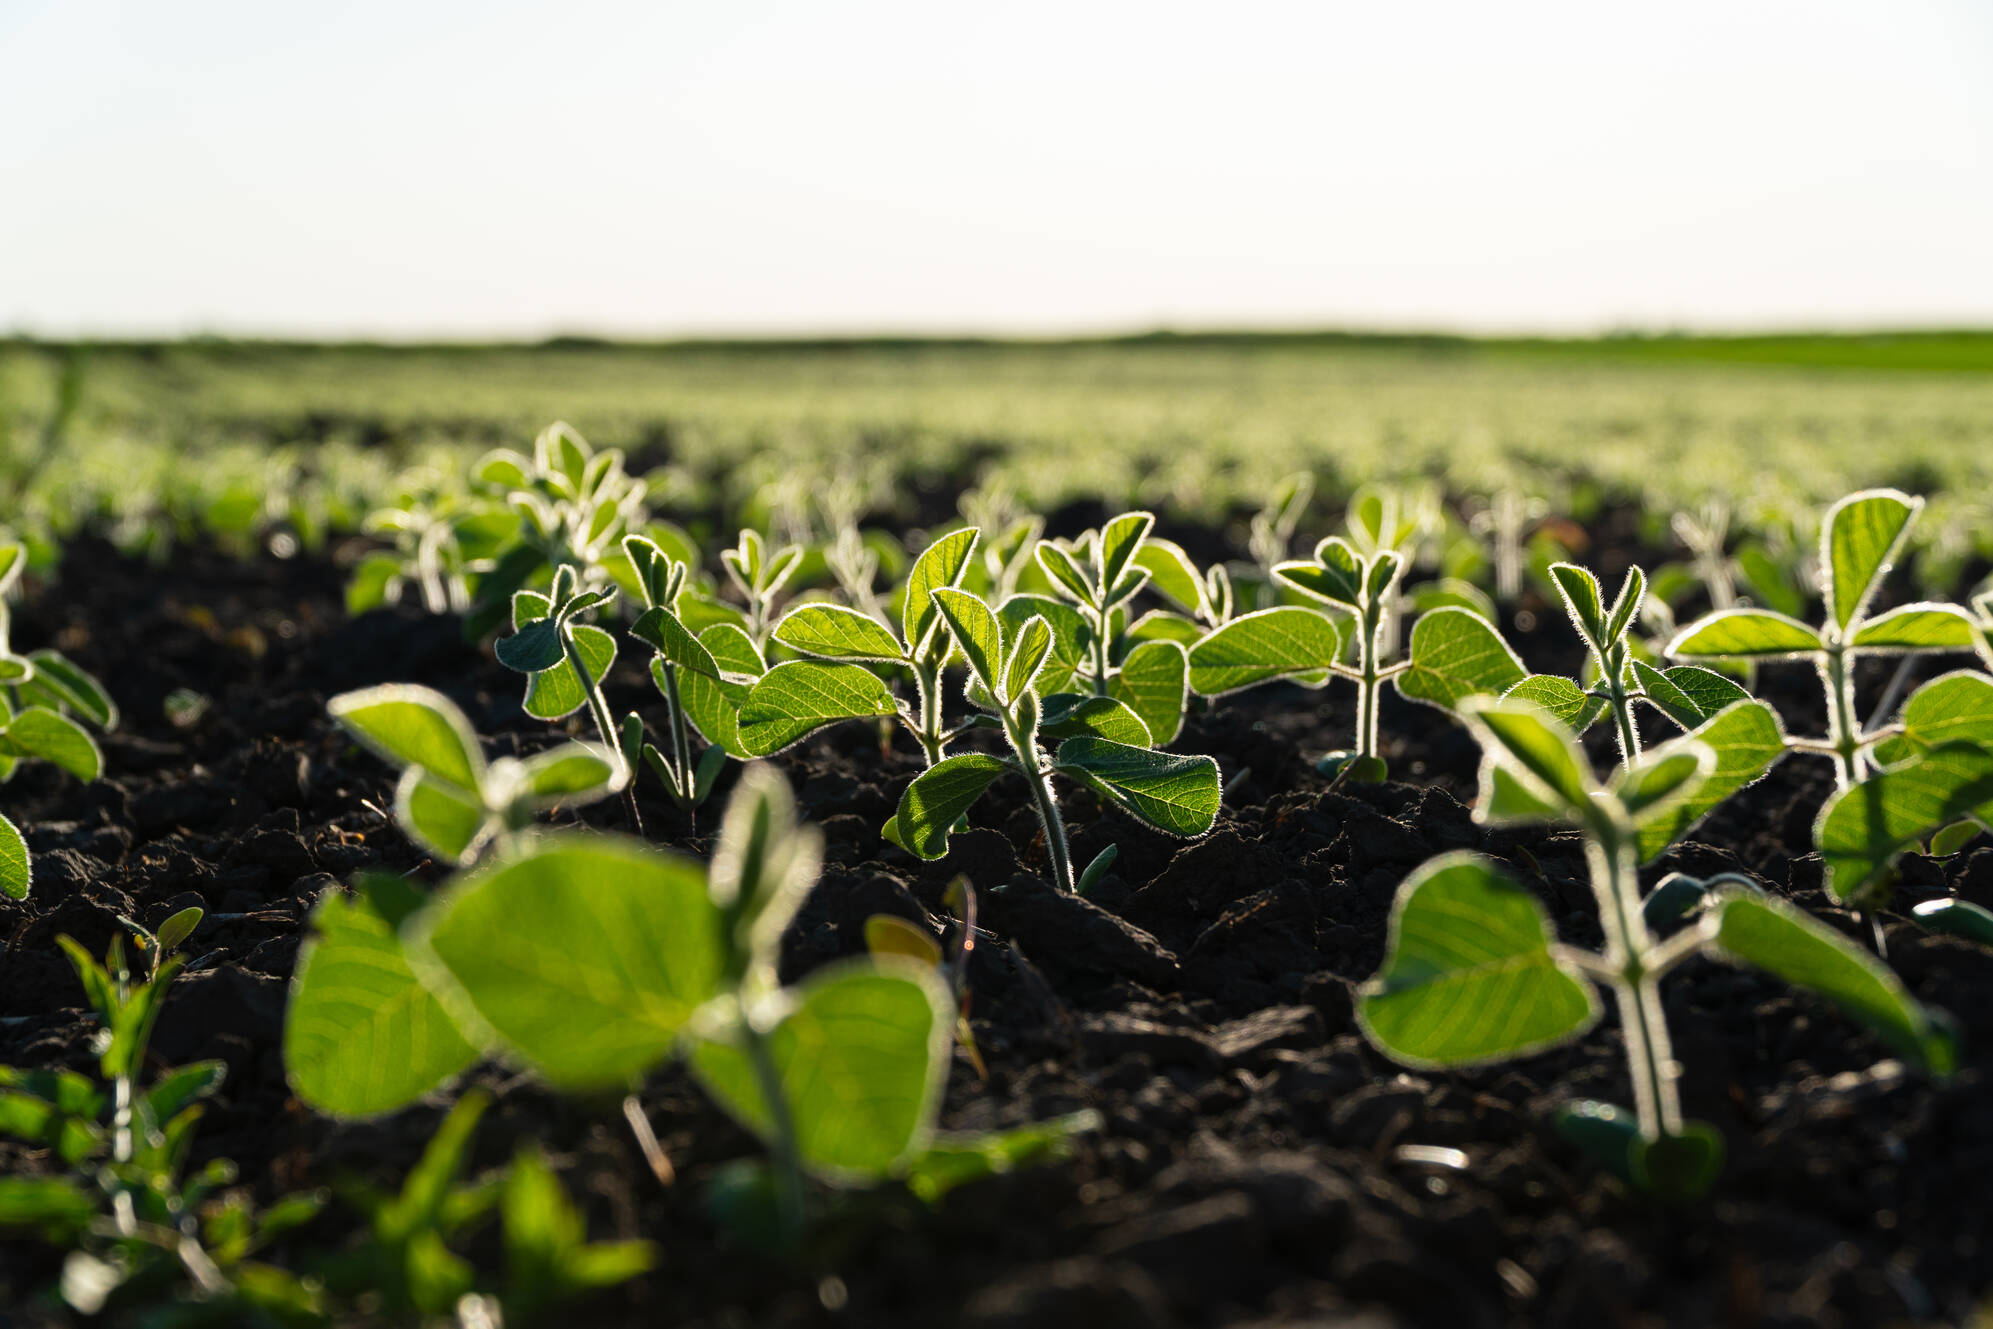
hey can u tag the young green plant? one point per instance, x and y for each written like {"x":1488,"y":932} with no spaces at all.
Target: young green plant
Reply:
{"x":1102,"y":744}
{"x":1473,"y":972}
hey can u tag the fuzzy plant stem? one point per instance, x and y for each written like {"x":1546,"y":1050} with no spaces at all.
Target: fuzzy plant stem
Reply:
{"x":1649,"y":1056}
{"x":1024,"y":743}
{"x":681,"y":740}
{"x":782,"y":1146}
{"x":1370,"y":680}
{"x":1843,"y":731}
{"x":1621,"y":703}
{"x":927,"y":682}
{"x":1102,"y":654}
{"x":598,"y":706}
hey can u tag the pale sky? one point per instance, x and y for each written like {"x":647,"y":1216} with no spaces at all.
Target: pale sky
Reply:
{"x":401,"y":168}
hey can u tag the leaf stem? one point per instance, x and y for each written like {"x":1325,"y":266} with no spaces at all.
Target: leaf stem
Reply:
{"x":1630,"y":951}
{"x":598,"y":706}
{"x":1843,"y":731}
{"x":788,"y":1156}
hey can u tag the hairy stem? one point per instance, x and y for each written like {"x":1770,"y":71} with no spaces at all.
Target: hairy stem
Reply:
{"x":927,"y":682}
{"x":1032,"y":763}
{"x":1369,"y":683}
{"x":1649,"y":1056}
{"x":598,"y":706}
{"x":1843,"y":732}
{"x":1101,"y":655}
{"x":681,"y":739}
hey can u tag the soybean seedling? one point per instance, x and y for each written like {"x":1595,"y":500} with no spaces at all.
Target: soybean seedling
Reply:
{"x":564,"y":661}
{"x":1455,"y":652}
{"x":703,"y":678}
{"x":1096,"y":577}
{"x":1859,"y":539}
{"x":1272,"y":530}
{"x":850,"y":650}
{"x":1473,"y":972}
{"x":759,"y":574}
{"x":441,"y":540}
{"x":1103,"y":744}
{"x":449,"y":799}
{"x":125,"y":1208}
{"x":889,"y":934}
{"x":45,"y":701}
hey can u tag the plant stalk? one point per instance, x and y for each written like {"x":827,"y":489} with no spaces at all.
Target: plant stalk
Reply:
{"x":1649,"y":1054}
{"x":927,"y":682}
{"x":681,"y":740}
{"x":598,"y":706}
{"x":1032,"y":763}
{"x":788,"y":1158}
{"x":1369,"y":681}
{"x":1843,"y":731}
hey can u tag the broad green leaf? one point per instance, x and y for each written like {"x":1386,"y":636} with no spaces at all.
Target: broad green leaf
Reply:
{"x":56,"y":1207}
{"x":1746,"y":739}
{"x":1758,"y":930}
{"x":1381,"y":572}
{"x":799,"y":697}
{"x":1626,"y":605}
{"x":976,"y":632}
{"x":956,"y":1158}
{"x":1673,"y":1168}
{"x":1177,"y":794}
{"x":1064,"y":571}
{"x":1538,"y":750}
{"x":1956,"y":918}
{"x":1735,"y":634}
{"x":1071,"y":637}
{"x":413,"y":726}
{"x":1162,"y":625}
{"x":583,"y":956}
{"x":1506,"y":800}
{"x":860,"y":1060}
{"x":1918,"y":627}
{"x":361,"y":1034}
{"x":570,"y":771}
{"x":938,"y":796}
{"x":1336,"y":575}
{"x":833,"y":632}
{"x":1171,"y":572}
{"x":59,"y":680}
{"x":16,"y":873}
{"x":1953,"y":708}
{"x":1574,"y":708}
{"x":1455,"y":653}
{"x":662,"y":631}
{"x":1858,"y":538}
{"x":55,"y":738}
{"x":1469,"y":972}
{"x":713,"y":705}
{"x":1687,"y":694}
{"x":940,"y":564}
{"x":1120,"y":539}
{"x":532,"y":648}
{"x":1579,"y":590}
{"x":439,"y":816}
{"x":555,"y":693}
{"x":1067,"y":715}
{"x":889,"y":934}
{"x":1152,"y":683}
{"x":1288,"y":642}
{"x":1862,"y":829}
{"x":1033,"y":643}
{"x":1664,"y":776}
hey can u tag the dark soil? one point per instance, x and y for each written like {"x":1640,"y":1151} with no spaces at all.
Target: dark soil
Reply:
{"x":1252,"y":1166}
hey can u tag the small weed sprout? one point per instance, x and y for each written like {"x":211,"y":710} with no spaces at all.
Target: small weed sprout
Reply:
{"x":1859,"y":540}
{"x":1103,"y":744}
{"x":1473,"y":972}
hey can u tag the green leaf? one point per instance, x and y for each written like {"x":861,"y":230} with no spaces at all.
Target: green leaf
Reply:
{"x":1858,"y":539}
{"x":572,"y":772}
{"x":940,"y":564}
{"x":1336,"y":575}
{"x":1067,"y":715}
{"x":1739,"y":634}
{"x":976,"y":632}
{"x":56,"y":1207}
{"x":1071,"y":637}
{"x":16,"y":873}
{"x":1064,"y":571}
{"x":1120,"y":540}
{"x":860,"y":1060}
{"x":555,"y":693}
{"x":713,"y":705}
{"x":1573,"y":707}
{"x":1176,"y":794}
{"x":1469,"y":972}
{"x":1579,"y":590}
{"x":1673,"y":1168}
{"x":799,"y":697}
{"x":57,"y":739}
{"x":1626,"y":605}
{"x":1171,"y":572}
{"x":1455,"y":654}
{"x":585,"y":957}
{"x":1917,"y":627}
{"x":833,"y":632}
{"x":1758,"y":930}
{"x":938,"y":796}
{"x":1664,"y":776}
{"x":411,"y":725}
{"x":1862,"y":829}
{"x":959,"y":1157}
{"x":1033,"y":640}
{"x":1952,"y":708}
{"x":361,"y":1035}
{"x":1152,"y":682}
{"x":1381,"y":573}
{"x":1533,"y":747}
{"x":1289,"y":642}
{"x":439,"y":816}
{"x":1746,"y":739}
{"x":673,"y":642}
{"x":178,"y":927}
{"x":1687,"y":694}
{"x":532,"y":648}
{"x":1948,"y":840}
{"x":889,"y":934}
{"x":59,"y":680}
{"x":1955,"y":918}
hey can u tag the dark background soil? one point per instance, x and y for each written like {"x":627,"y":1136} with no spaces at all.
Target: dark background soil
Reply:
{"x":1250,"y":1169}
